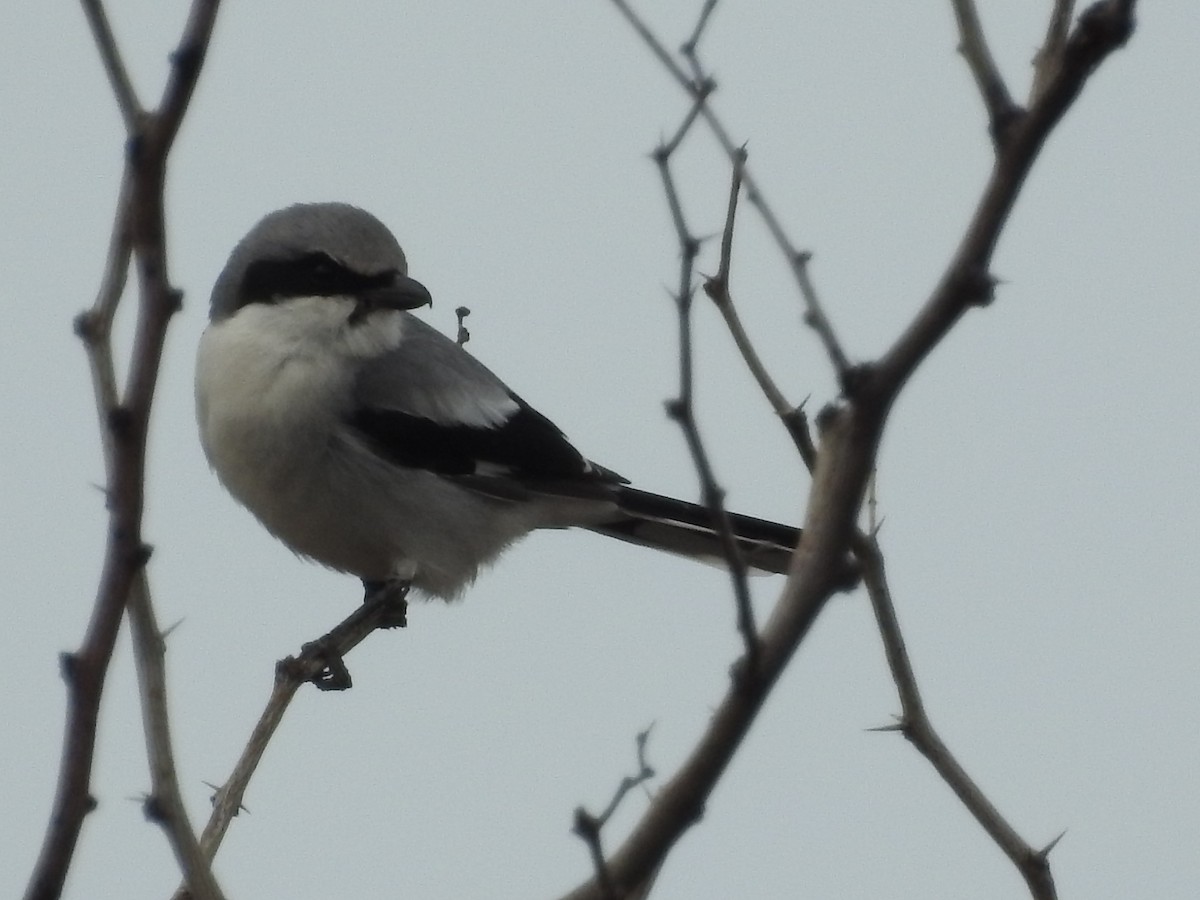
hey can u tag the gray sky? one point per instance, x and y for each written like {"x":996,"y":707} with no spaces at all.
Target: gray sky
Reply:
{"x":1038,"y":477}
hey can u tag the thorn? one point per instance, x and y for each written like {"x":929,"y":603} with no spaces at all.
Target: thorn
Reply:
{"x":887,"y":729}
{"x":802,"y":257}
{"x":1045,"y":851}
{"x":166,"y":633}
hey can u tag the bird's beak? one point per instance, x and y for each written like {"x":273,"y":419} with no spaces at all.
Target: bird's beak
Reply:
{"x":402,"y":293}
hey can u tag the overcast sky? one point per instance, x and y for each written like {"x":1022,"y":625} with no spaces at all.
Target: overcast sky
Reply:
{"x":1038,"y":477}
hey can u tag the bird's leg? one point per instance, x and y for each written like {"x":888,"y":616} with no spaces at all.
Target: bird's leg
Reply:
{"x":384,"y":606}
{"x":392,"y":596}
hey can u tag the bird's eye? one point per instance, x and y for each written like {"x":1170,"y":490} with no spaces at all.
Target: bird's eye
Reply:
{"x":321,"y":266}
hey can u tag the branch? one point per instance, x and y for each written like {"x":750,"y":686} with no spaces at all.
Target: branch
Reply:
{"x":973,"y":46}
{"x":317,"y":662}
{"x":1103,"y":28}
{"x":682,"y":411}
{"x":1049,"y":56}
{"x":114,"y":65}
{"x":165,"y":804}
{"x":850,"y":435}
{"x":138,"y":232}
{"x":699,"y":88}
{"x":589,"y":827}
{"x":915,"y":725}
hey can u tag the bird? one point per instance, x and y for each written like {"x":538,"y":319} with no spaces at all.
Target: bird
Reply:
{"x":368,"y":441}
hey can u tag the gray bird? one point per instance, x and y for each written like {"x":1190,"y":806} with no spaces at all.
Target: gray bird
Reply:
{"x":367,"y":441}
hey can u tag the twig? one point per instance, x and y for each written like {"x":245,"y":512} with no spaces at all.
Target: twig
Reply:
{"x":1049,"y":55}
{"x":689,"y":46}
{"x":312,"y":664}
{"x":682,"y":410}
{"x":138,"y":233}
{"x":915,"y":725}
{"x":973,"y":46}
{"x":1103,"y":28}
{"x":165,"y":804}
{"x":797,"y":260}
{"x":114,"y":65}
{"x":717,"y":288}
{"x":589,"y":827}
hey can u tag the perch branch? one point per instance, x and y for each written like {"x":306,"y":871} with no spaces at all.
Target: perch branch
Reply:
{"x":310,"y":665}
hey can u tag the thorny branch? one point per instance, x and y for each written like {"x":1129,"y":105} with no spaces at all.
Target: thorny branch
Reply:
{"x":138,"y":235}
{"x":318,"y":662}
{"x":914,"y":724}
{"x":717,"y":289}
{"x":698,"y":87}
{"x":850,"y":435}
{"x":682,"y":410}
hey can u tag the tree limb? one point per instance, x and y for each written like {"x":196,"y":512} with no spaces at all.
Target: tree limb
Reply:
{"x":138,"y":234}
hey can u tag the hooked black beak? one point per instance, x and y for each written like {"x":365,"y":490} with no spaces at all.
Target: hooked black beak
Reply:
{"x":402,"y":293}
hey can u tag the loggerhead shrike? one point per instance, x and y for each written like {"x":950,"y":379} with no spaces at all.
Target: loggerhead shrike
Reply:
{"x":369,"y":442}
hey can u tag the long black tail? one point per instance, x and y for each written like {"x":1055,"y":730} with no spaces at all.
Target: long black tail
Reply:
{"x":677,"y":526}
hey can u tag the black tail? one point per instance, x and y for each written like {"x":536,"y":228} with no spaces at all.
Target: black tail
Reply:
{"x":677,"y":526}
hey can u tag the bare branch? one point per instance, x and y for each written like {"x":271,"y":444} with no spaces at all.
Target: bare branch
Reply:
{"x":850,"y":435}
{"x":114,"y":65}
{"x":717,"y":289}
{"x":797,"y":260}
{"x":914,"y":723}
{"x":1103,"y":28}
{"x":590,"y":827}
{"x":138,"y":233}
{"x":973,"y":46}
{"x":165,"y":804}
{"x":1049,"y":56}
{"x":313,"y":664}
{"x":682,"y":411}
{"x":689,"y":46}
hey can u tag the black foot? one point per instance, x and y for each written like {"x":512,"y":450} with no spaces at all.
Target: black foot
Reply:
{"x":393,"y":597}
